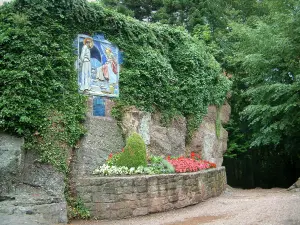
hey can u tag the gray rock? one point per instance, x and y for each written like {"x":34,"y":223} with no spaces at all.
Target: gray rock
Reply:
{"x":295,"y":187}
{"x":167,"y":140}
{"x":41,"y":176}
{"x":33,"y":193}
{"x":137,"y":121}
{"x":225,"y":113}
{"x":10,"y":162}
{"x":102,"y":138}
{"x":205,"y":141}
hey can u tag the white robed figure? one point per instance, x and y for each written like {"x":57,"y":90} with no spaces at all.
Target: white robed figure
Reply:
{"x":86,"y":67}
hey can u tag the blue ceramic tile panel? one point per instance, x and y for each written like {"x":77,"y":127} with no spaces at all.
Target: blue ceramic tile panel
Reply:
{"x":98,"y":65}
{"x":98,"y":106}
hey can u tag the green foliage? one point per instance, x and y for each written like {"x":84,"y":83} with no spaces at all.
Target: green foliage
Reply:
{"x":169,"y":166}
{"x":38,"y":82}
{"x":118,"y":110}
{"x":156,"y":165}
{"x":218,"y":122}
{"x":268,"y":56}
{"x":77,"y":209}
{"x":190,"y":13}
{"x":264,"y":128}
{"x":134,"y":154}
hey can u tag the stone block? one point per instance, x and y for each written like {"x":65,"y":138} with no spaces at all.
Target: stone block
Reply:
{"x":141,"y":189}
{"x":171,"y":186}
{"x":143,"y":202}
{"x":142,"y":196}
{"x":124,"y":213}
{"x":168,"y":206}
{"x":131,"y":197}
{"x":140,"y":211}
{"x":103,"y":198}
{"x":173,"y":198}
{"x":86,"y":198}
{"x":152,"y":188}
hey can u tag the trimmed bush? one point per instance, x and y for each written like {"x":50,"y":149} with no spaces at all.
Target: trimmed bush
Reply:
{"x":134,"y":154}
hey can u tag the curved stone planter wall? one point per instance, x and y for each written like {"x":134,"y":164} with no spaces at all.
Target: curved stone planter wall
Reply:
{"x":122,"y":197}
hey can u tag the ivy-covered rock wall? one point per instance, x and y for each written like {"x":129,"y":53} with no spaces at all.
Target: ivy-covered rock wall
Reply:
{"x":164,"y":70}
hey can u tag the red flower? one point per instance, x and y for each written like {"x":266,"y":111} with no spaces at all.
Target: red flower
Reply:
{"x":182,"y":164}
{"x":192,"y":155}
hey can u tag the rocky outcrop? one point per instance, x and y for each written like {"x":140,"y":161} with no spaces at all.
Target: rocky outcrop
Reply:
{"x":103,"y":137}
{"x":205,"y":140}
{"x":137,"y":121}
{"x":160,"y":140}
{"x":31,"y":192}
{"x":167,"y":140}
{"x":295,"y":187}
{"x":171,"y":140}
{"x":10,"y":162}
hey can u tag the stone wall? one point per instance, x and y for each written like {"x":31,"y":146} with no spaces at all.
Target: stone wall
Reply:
{"x":123,"y":197}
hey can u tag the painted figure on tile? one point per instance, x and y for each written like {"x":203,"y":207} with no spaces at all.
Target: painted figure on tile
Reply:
{"x":111,"y":66}
{"x":85,"y":63}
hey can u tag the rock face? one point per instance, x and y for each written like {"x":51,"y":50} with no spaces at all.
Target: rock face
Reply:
{"x":295,"y":187}
{"x":31,"y":192}
{"x":205,"y":140}
{"x":169,"y":140}
{"x":160,"y":140}
{"x":10,"y":162}
{"x":102,"y":138}
{"x":136,"y":121}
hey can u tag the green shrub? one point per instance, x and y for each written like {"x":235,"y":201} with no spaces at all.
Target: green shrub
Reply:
{"x":134,"y":154}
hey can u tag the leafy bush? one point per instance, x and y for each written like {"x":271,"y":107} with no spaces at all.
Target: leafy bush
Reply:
{"x":134,"y":154}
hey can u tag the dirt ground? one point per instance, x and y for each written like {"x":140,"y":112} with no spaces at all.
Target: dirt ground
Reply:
{"x":234,"y":207}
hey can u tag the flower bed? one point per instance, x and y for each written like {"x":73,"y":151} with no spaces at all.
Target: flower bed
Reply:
{"x":156,"y":165}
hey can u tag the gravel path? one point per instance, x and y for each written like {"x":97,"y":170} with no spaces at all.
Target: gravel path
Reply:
{"x":234,"y":207}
